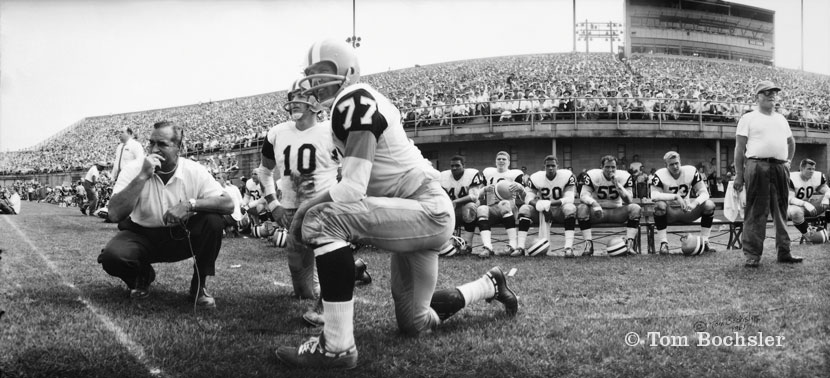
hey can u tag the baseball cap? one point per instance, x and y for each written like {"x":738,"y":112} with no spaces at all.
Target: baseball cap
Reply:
{"x":765,"y":85}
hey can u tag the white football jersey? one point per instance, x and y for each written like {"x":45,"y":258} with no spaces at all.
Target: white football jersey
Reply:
{"x":378,"y":158}
{"x":492,"y":175}
{"x":306,"y":161}
{"x":253,"y":189}
{"x":805,"y":189}
{"x":460,"y":188}
{"x":551,"y":189}
{"x":604,"y":191}
{"x":689,"y":177}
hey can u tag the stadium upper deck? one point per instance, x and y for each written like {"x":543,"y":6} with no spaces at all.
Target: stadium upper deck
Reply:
{"x":529,"y":81}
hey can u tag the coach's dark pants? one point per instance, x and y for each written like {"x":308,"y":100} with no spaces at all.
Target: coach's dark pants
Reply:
{"x":766,"y":192}
{"x":135,"y":246}
{"x":91,"y":196}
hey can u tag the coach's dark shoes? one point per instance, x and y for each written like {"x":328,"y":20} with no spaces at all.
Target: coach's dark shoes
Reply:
{"x":361,"y":274}
{"x":503,"y":292}
{"x":752,"y":263}
{"x":141,"y":288}
{"x":790,"y":259}
{"x":313,"y":353}
{"x":200,"y":294}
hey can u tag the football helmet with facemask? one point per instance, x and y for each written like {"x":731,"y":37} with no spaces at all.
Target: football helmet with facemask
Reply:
{"x":326,"y":86}
{"x":298,"y":94}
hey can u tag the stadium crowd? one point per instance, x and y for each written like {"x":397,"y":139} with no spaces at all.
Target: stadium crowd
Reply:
{"x":513,"y":88}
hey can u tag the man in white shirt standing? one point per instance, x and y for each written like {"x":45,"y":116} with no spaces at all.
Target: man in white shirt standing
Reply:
{"x":128,"y":150}
{"x":764,"y":149}
{"x":92,"y":176}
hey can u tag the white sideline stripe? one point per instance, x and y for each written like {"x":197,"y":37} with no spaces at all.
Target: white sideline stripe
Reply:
{"x":135,"y":349}
{"x":356,"y":299}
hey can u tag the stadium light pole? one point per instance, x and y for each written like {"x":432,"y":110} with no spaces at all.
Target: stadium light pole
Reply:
{"x":354,"y":39}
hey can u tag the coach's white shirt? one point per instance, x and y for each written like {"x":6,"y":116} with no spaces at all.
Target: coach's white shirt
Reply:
{"x":766,"y":135}
{"x":191,"y":180}
{"x":132,"y":150}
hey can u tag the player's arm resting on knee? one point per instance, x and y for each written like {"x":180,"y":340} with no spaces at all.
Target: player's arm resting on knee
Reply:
{"x":567,"y":197}
{"x":472,"y":196}
{"x":127,"y":189}
{"x":587,"y":197}
{"x":792,"y":200}
{"x":702,"y":195}
{"x":266,"y":173}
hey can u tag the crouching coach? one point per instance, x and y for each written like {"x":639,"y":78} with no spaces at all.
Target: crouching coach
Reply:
{"x":168,"y":209}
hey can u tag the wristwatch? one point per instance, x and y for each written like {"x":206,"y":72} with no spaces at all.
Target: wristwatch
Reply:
{"x":192,"y":202}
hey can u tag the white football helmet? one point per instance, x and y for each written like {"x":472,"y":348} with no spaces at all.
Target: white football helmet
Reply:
{"x":298,"y":94}
{"x":616,"y":247}
{"x":691,"y":245}
{"x":346,"y":69}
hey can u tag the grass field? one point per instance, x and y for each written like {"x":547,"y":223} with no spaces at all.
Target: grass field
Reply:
{"x":65,"y":317}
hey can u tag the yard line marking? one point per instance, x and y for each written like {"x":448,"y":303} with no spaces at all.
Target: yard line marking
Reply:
{"x":356,"y":299}
{"x":134,"y":348}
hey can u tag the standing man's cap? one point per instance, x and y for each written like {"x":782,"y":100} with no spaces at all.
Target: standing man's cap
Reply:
{"x":764,"y":86}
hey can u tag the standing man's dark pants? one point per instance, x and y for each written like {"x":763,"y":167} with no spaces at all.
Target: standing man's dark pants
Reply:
{"x":91,"y":196}
{"x":135,"y":247}
{"x":766,"y":192}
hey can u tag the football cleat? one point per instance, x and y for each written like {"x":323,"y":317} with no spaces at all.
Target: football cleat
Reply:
{"x":503,"y":292}
{"x":589,"y":248}
{"x":485,"y":252}
{"x":518,"y":252}
{"x":630,"y":245}
{"x":314,"y":318}
{"x":617,"y":247}
{"x":664,"y":248}
{"x":538,"y":247}
{"x":707,"y":248}
{"x":313,"y":354}
{"x":361,"y":274}
{"x":507,"y":251}
{"x":569,"y":252}
{"x":468,"y":250}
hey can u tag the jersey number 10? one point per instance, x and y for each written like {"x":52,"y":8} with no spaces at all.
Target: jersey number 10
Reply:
{"x":304,"y":166}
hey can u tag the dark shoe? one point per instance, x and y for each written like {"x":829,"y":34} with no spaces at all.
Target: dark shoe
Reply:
{"x":708,"y":249}
{"x":145,"y":277}
{"x":752,"y":263}
{"x":589,"y":248}
{"x":503,"y":292}
{"x":361,"y":274}
{"x":790,"y":259}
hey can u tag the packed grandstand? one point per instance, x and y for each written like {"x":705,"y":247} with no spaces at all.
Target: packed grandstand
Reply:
{"x":539,"y":88}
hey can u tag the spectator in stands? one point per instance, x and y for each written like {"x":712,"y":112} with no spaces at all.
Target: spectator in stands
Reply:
{"x":128,"y":150}
{"x":170,"y":209}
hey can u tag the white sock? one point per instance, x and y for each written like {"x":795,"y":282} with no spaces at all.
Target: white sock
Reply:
{"x":477,"y":290}
{"x":522,"y":239}
{"x":569,"y":238}
{"x":468,"y":237}
{"x":704,"y":233}
{"x":339,"y":328}
{"x":661,"y":236}
{"x":485,"y":239}
{"x":630,"y":233}
{"x":586,"y":234}
{"x":511,"y":237}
